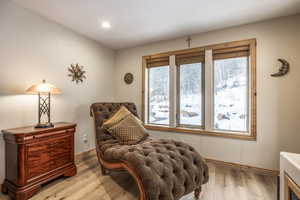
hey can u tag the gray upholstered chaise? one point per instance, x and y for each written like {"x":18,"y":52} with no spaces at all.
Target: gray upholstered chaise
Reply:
{"x":163,"y":169}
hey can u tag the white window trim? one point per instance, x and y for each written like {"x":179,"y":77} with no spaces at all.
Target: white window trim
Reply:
{"x":209,"y":65}
{"x":173,"y":92}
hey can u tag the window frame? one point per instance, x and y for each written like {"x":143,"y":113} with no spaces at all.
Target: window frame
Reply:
{"x":207,"y":130}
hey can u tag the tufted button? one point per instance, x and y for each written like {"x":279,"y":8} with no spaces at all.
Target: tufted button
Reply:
{"x":160,"y":196}
{"x":146,"y":153}
{"x":148,"y":163}
{"x":173,"y":191}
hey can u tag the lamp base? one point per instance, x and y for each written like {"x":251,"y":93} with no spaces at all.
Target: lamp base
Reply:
{"x":46,"y":125}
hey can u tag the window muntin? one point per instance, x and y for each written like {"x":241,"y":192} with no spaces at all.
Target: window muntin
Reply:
{"x":158,"y":95}
{"x":231,"y":95}
{"x":190,"y":97}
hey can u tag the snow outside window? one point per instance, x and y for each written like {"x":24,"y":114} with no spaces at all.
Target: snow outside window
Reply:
{"x":190,"y":95}
{"x":158,"y":95}
{"x":231,"y":94}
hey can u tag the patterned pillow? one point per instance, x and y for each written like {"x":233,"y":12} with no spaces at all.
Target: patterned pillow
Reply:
{"x":130,"y":130}
{"x":116,"y":118}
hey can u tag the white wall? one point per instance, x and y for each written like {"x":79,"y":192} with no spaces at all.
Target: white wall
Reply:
{"x":278,"y":98}
{"x":33,"y":48}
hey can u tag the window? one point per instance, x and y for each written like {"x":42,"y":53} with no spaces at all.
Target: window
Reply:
{"x":159,"y":95}
{"x":231,"y":94}
{"x":207,"y":90}
{"x":190,"y":95}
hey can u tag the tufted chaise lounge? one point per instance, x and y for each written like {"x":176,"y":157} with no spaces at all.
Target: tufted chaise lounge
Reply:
{"x":163,"y":169}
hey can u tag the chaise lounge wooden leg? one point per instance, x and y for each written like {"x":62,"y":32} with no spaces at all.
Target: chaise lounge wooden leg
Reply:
{"x":197,"y":192}
{"x":4,"y":189}
{"x":104,"y":171}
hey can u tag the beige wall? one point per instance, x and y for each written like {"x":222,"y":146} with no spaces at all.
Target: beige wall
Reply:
{"x":32,"y":49}
{"x":278,"y":98}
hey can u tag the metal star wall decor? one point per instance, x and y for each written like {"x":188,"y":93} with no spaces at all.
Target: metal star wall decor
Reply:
{"x":77,"y":73}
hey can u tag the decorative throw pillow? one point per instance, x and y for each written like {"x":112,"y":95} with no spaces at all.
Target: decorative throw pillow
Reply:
{"x":130,"y":130}
{"x":116,"y":118}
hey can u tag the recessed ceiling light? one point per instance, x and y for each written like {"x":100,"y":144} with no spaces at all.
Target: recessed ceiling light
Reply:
{"x":105,"y":25}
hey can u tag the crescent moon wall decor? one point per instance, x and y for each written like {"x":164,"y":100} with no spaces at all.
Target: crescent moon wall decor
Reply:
{"x":283,"y":70}
{"x":77,"y":73}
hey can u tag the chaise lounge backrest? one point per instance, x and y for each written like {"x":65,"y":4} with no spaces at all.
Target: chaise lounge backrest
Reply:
{"x":101,"y":112}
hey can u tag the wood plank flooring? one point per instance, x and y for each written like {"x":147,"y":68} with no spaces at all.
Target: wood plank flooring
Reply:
{"x":226,"y":183}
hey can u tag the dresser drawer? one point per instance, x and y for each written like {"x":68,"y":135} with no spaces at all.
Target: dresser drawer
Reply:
{"x":38,"y":137}
{"x":48,"y":155}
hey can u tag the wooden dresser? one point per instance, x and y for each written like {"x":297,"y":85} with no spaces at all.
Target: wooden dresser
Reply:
{"x":35,"y":156}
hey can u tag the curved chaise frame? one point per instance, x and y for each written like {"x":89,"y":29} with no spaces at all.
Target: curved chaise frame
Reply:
{"x":123,"y":166}
{"x":106,"y":165}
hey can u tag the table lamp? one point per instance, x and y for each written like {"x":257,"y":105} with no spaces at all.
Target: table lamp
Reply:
{"x":44,"y":91}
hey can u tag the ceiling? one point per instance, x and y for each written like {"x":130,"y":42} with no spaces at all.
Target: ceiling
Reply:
{"x":137,"y":22}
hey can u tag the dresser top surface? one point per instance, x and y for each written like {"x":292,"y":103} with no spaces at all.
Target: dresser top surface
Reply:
{"x":293,"y":159}
{"x":32,"y":130}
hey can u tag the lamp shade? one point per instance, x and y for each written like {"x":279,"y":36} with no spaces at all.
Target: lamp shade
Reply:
{"x":43,"y":88}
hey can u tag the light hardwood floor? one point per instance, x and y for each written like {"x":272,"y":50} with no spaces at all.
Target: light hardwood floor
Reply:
{"x":226,"y":183}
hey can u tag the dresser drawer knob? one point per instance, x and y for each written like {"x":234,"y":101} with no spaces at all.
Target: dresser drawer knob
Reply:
{"x":28,"y":138}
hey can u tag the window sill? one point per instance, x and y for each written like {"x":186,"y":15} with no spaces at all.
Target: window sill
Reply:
{"x":223,"y":134}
